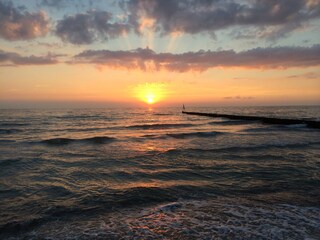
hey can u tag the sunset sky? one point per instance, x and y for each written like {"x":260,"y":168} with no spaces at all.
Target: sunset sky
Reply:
{"x":167,"y":52}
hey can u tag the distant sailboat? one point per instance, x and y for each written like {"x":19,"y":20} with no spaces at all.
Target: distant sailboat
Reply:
{"x":183,"y":107}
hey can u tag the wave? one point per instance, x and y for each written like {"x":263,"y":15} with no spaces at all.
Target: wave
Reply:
{"x":230,"y":122}
{"x":153,"y":136}
{"x":182,"y":135}
{"x":89,"y":129}
{"x":98,"y":117}
{"x":219,"y":218}
{"x":6,"y":141}
{"x":170,"y":176}
{"x":9,"y":162}
{"x":27,"y":224}
{"x":162,"y":114}
{"x":15,"y":227}
{"x":302,"y":125}
{"x":160,"y":126}
{"x":9,"y":124}
{"x":65,"y":141}
{"x":135,"y":196}
{"x":238,"y":149}
{"x":93,"y":204}
{"x":286,"y":128}
{"x":194,"y":134}
{"x":10,"y":131}
{"x":215,"y":218}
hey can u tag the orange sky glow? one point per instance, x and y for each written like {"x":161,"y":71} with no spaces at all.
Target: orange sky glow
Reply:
{"x":148,"y":60}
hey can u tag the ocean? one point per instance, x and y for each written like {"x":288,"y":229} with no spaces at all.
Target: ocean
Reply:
{"x":155,"y":173}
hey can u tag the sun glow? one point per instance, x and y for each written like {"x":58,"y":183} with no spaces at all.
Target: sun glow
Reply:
{"x":150,"y":93}
{"x":150,"y":98}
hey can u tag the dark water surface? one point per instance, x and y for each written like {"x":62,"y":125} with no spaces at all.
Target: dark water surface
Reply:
{"x":158,"y":174}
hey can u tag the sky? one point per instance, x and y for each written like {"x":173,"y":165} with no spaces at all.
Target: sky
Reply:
{"x":162,"y":52}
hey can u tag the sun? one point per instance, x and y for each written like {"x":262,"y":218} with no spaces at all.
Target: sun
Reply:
{"x":150,"y":98}
{"x":150,"y":93}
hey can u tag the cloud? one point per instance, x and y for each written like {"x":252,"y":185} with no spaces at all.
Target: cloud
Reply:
{"x":309,"y":75}
{"x":53,"y":3}
{"x":270,"y":33}
{"x":239,"y":98}
{"x":19,"y":24}
{"x":196,"y":16}
{"x":60,"y":4}
{"x":85,"y":28}
{"x":30,"y":46}
{"x":146,"y":59}
{"x":15,"y":59}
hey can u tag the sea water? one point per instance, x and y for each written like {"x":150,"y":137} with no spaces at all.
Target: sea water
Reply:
{"x":155,"y":173}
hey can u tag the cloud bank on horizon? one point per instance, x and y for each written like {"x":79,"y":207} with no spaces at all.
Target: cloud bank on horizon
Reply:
{"x":93,"y":26}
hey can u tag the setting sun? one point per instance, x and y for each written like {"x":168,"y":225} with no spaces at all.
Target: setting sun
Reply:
{"x":150,"y":98}
{"x":150,"y":93}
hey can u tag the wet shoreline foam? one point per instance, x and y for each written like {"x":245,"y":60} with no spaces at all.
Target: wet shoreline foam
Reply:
{"x":218,"y":218}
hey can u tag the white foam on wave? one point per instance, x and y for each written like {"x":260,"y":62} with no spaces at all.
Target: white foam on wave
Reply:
{"x":218,"y":219}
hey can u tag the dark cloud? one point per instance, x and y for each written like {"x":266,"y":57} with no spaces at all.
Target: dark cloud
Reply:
{"x":15,"y":59}
{"x":195,"y":16}
{"x":146,"y":59}
{"x":85,"y":28}
{"x":19,"y":24}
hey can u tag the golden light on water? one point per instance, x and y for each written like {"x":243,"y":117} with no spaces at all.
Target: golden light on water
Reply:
{"x":150,"y":93}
